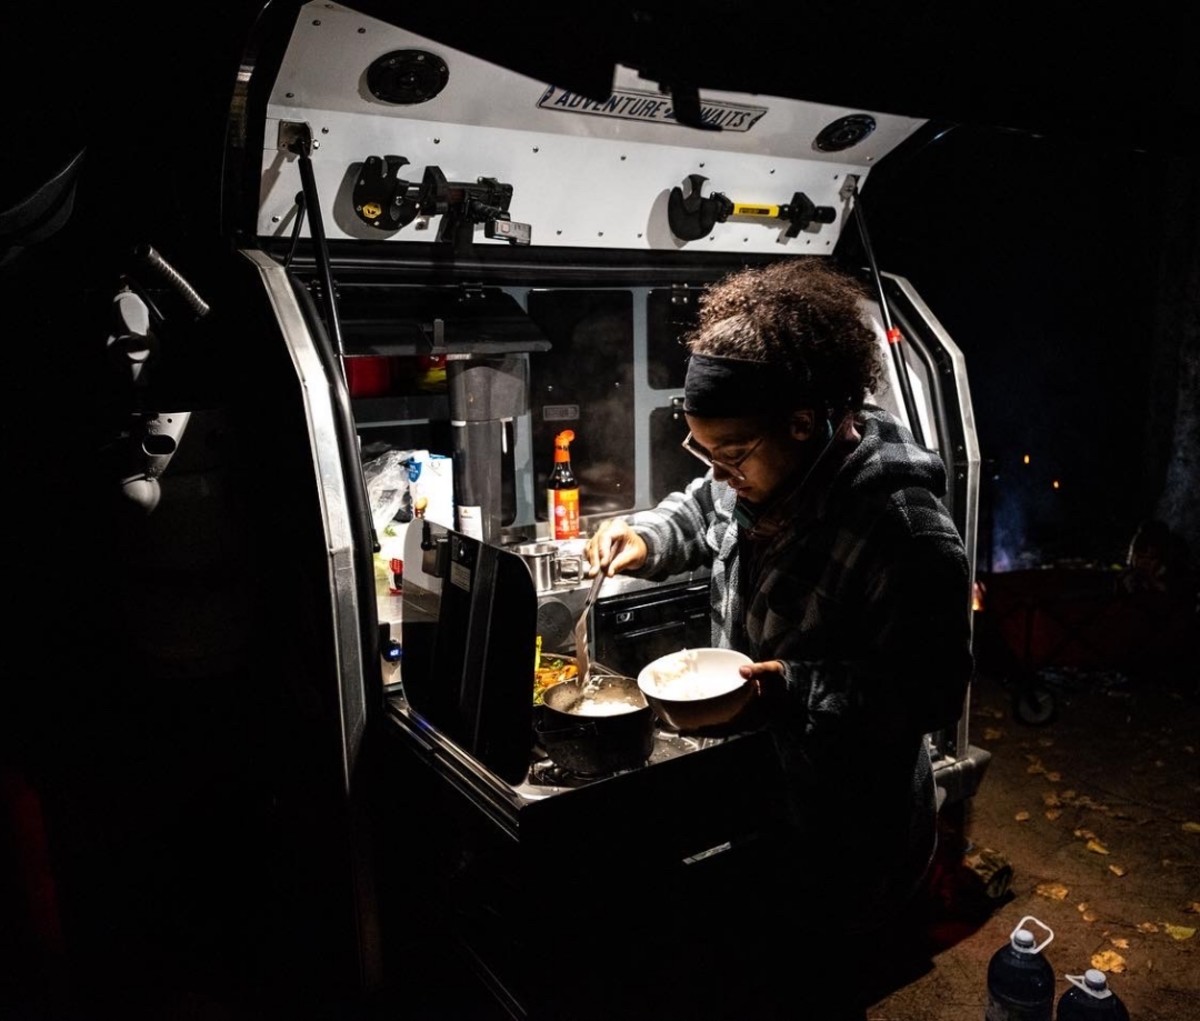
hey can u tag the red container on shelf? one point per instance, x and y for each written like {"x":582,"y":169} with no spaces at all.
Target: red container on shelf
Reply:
{"x":368,"y":375}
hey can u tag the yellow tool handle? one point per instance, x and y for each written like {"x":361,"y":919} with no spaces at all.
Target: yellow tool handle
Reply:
{"x":755,"y":210}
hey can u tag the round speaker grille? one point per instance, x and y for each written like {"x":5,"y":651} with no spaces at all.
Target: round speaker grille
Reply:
{"x":844,"y":132}
{"x":407,"y":76}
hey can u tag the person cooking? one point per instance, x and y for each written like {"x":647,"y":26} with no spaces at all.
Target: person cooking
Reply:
{"x":836,"y":567}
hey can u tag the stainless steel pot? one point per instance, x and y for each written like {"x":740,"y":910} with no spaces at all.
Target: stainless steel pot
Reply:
{"x":577,"y":739}
{"x":549,"y":566}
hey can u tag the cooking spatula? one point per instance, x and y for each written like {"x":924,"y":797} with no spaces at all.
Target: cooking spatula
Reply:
{"x":581,"y":632}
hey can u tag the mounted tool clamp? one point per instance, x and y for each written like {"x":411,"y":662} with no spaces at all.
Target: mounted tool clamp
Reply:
{"x":692,"y":216}
{"x":385,"y":201}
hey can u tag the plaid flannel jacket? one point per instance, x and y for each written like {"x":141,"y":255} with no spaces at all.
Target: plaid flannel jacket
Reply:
{"x":865,"y":596}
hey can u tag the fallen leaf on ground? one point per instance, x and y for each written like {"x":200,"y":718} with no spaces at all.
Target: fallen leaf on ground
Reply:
{"x":1046,"y":742}
{"x":1055,"y":891}
{"x":1088,"y":834}
{"x":1191,"y":827}
{"x":1096,"y":847}
{"x":1054,"y":776}
{"x":1053,"y":813}
{"x":1021,"y":816}
{"x":1117,"y":870}
{"x":1089,"y":916}
{"x":1179,"y":931}
{"x":1050,"y":799}
{"x":1193,"y":908}
{"x":1108,"y":960}
{"x":1034,"y":766}
{"x":1120,"y":942}
{"x":1147,"y":927}
{"x":992,"y":733}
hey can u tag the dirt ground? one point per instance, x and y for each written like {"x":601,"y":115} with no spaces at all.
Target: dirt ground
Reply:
{"x":1098,"y":813}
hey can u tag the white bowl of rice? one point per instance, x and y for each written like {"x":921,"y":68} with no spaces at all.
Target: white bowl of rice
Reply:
{"x":697,"y":689}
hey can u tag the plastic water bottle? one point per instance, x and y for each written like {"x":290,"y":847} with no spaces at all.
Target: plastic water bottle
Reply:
{"x":1090,"y":999}
{"x":1020,"y":981}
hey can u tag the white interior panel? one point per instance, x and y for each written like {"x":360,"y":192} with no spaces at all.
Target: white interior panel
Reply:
{"x":583,"y":174}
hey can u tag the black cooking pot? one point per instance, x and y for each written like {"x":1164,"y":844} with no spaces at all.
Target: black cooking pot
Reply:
{"x":608,"y":727}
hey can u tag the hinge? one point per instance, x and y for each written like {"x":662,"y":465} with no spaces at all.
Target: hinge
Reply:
{"x":295,"y":136}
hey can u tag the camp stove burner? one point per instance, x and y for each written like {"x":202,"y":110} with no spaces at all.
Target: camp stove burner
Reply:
{"x":544,"y":773}
{"x":550,"y":774}
{"x":668,"y":744}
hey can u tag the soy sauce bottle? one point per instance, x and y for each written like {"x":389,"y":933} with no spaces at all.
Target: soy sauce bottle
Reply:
{"x":1020,"y":981}
{"x":1090,"y":999}
{"x":562,"y":491}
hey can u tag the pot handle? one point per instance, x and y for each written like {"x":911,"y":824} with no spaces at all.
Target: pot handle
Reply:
{"x":564,"y":733}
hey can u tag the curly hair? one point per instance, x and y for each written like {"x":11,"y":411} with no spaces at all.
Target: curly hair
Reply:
{"x":801,"y":314}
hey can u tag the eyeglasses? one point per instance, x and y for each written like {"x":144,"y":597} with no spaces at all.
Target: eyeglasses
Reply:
{"x":730,"y":468}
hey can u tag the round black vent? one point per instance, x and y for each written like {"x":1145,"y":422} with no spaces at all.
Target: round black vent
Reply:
{"x":844,"y":132}
{"x":407,"y":76}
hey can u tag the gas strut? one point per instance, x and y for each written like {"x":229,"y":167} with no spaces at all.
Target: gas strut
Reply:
{"x":300,"y":145}
{"x":893,"y":332}
{"x":298,"y":141}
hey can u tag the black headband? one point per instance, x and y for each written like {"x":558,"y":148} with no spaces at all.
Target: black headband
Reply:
{"x":718,"y":387}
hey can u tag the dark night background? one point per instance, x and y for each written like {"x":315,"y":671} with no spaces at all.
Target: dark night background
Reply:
{"x":1046,"y":261}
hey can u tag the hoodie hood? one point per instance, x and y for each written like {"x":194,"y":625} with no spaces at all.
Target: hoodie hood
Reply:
{"x":871,"y":450}
{"x":888,"y":457}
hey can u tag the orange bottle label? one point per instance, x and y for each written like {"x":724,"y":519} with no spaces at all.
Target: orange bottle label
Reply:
{"x":563,"y":508}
